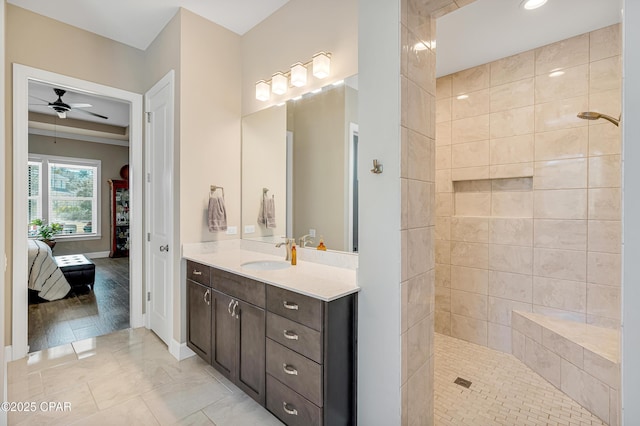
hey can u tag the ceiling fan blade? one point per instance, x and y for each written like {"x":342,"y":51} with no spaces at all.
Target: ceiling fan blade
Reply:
{"x":80,"y":105}
{"x":92,"y":113}
{"x":62,"y":114}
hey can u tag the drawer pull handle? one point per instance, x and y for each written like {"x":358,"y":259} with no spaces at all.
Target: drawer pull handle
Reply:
{"x":207,"y":293}
{"x":289,"y":370}
{"x":196,"y":272}
{"x":290,"y":411}
{"x":290,"y":306}
{"x":290,"y":335}
{"x":229,"y":307}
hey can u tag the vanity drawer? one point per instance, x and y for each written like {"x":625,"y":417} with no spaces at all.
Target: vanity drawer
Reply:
{"x":294,"y":370}
{"x":239,"y":287}
{"x":300,"y":338}
{"x":290,"y":407}
{"x":297,"y":307}
{"x":198,"y":272}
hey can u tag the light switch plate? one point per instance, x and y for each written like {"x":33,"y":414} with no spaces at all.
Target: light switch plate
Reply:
{"x":232,"y":230}
{"x":249,"y":229}
{"x":312,"y":233}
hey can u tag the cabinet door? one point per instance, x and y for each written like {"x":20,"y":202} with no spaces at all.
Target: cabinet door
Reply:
{"x":223,"y":355}
{"x":199,"y":319}
{"x":251,"y":351}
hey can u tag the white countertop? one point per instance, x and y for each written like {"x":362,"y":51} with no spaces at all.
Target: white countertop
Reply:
{"x":309,"y":278}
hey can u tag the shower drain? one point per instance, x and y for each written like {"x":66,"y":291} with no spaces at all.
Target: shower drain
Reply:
{"x":462,"y":382}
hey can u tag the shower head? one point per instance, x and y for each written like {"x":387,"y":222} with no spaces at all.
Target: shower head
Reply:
{"x":590,"y":115}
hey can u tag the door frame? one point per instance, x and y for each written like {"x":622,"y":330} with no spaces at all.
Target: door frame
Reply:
{"x":174,"y":254}
{"x":21,"y":76}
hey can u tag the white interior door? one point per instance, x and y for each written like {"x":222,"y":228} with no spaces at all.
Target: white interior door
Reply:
{"x":160,"y":179}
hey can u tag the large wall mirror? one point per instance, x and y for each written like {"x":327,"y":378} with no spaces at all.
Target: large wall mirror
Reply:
{"x":299,"y":169}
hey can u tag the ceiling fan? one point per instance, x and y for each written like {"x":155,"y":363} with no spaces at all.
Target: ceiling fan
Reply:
{"x":61,"y":108}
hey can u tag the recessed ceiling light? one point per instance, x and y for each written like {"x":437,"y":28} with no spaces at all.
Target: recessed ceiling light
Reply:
{"x":533,"y":4}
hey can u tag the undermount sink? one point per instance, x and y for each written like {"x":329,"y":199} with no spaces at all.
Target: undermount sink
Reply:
{"x":265,"y":265}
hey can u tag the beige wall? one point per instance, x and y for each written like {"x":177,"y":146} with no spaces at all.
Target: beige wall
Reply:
{"x":44,"y":43}
{"x":264,"y":165}
{"x":294,"y":33}
{"x":548,"y":243}
{"x":112,"y":158}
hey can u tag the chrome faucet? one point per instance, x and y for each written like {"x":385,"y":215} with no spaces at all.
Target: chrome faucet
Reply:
{"x":305,"y":239}
{"x":289,"y":243}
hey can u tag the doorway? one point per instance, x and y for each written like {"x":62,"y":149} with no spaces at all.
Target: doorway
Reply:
{"x":22,"y":76}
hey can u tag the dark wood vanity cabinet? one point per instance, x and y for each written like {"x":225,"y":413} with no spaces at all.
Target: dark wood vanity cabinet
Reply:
{"x":294,"y":354}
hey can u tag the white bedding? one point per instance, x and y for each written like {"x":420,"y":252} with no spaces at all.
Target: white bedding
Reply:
{"x":44,"y":274}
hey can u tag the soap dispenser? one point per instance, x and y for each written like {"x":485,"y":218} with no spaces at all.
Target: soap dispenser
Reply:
{"x":321,"y":246}
{"x":294,"y":257}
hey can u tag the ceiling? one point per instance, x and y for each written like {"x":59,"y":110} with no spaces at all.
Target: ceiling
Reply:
{"x":487,"y":30}
{"x":138,"y":22}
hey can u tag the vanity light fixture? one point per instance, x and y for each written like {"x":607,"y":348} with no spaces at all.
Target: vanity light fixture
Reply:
{"x":279,"y":83}
{"x":296,"y":76}
{"x":533,"y":4}
{"x":262,"y":91}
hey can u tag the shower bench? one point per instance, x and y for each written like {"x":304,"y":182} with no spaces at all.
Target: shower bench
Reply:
{"x":581,"y":360}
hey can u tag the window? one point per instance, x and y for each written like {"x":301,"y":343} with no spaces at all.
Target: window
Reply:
{"x":67,"y":191}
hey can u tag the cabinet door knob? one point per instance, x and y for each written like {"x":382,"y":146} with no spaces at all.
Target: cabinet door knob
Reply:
{"x":290,"y":306}
{"x":290,"y":411}
{"x":290,"y":335}
{"x":289,"y":370}
{"x":229,"y":307}
{"x":195,"y":271}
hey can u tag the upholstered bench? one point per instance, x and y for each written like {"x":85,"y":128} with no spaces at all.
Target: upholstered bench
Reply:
{"x":77,"y":269}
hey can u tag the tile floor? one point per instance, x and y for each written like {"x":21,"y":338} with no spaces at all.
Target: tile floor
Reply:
{"x":128,"y":377}
{"x":503,"y":392}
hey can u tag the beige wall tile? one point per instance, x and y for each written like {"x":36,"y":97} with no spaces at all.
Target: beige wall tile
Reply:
{"x":602,"y":369}
{"x":603,"y":322}
{"x":561,"y":144}
{"x":404,"y":102}
{"x":499,"y":337}
{"x":420,"y":251}
{"x":511,"y":231}
{"x":474,"y":186}
{"x":470,"y":129}
{"x":604,"y":172}
{"x":560,"y":204}
{"x":560,"y":114}
{"x":405,"y":48}
{"x":515,"y":149}
{"x":573,"y":82}
{"x":512,"y":68}
{"x":604,"y":204}
{"x":603,"y":300}
{"x":419,"y":395}
{"x":562,"y":346}
{"x":512,"y":95}
{"x":473,"y":255}
{"x":418,"y":65}
{"x":470,"y":173}
{"x":421,"y":156}
{"x":418,"y":341}
{"x":563,"y":54}
{"x":444,"y":87}
{"x":469,"y":279}
{"x":614,"y":408}
{"x":604,"y":268}
{"x":421,"y":299}
{"x":605,"y":236}
{"x":500,"y":310}
{"x":404,"y":254}
{"x":469,"y":304}
{"x":443,"y":133}
{"x":605,"y":74}
{"x":443,"y":157}
{"x":590,"y":392}
{"x":443,"y":181}
{"x":470,"y":80}
{"x":472,"y":203}
{"x":470,"y":229}
{"x":562,"y":264}
{"x":470,"y":104}
{"x":560,"y":174}
{"x":443,"y":252}
{"x":608,"y":100}
{"x":560,"y":234}
{"x":444,"y":204}
{"x":605,"y":42}
{"x":404,"y":297}
{"x":512,"y":122}
{"x":443,"y":323}
{"x":560,"y":294}
{"x":420,"y":205}
{"x":527,"y":327}
{"x":604,"y":139}
{"x":404,"y":152}
{"x":511,"y":185}
{"x":543,"y":361}
{"x":418,"y":107}
{"x":511,"y":170}
{"x":518,"y":341}
{"x":443,"y":228}
{"x":469,"y":329}
{"x":443,"y":274}
{"x":559,"y":313}
{"x":514,"y":259}
{"x":404,"y":199}
{"x":507,"y":285}
{"x":470,"y":154}
{"x":512,"y":204}
{"x":443,"y":110}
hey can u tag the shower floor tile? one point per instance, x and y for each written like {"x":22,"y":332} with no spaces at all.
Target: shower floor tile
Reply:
{"x":504,"y":391}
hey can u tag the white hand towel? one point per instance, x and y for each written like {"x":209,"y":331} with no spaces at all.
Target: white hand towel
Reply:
{"x":217,"y":214}
{"x":270,"y":212}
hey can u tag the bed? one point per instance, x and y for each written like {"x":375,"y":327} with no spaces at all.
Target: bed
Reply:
{"x":44,"y":275}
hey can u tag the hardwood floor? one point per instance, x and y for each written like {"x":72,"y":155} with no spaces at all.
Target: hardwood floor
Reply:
{"x":87,"y":314}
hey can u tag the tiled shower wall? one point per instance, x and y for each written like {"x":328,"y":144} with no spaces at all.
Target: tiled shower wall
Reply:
{"x":528,"y":195}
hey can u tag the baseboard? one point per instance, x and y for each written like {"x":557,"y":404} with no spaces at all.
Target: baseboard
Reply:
{"x":180,"y":351}
{"x":8,"y":354}
{"x":97,"y":254}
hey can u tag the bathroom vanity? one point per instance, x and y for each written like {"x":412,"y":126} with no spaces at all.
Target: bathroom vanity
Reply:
{"x":286,"y":337}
